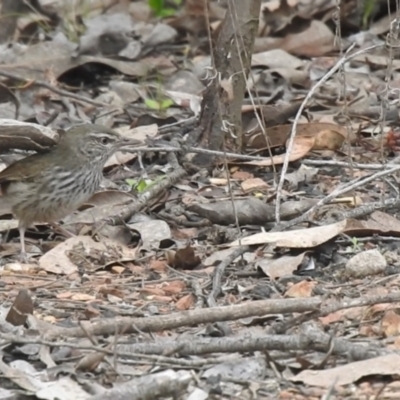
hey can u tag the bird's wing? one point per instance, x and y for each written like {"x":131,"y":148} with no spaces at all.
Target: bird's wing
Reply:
{"x":24,"y":169}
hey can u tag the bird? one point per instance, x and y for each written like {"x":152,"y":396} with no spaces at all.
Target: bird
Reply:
{"x":46,"y":187}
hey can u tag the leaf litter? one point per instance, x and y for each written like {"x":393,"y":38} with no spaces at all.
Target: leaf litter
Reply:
{"x":176,"y":267}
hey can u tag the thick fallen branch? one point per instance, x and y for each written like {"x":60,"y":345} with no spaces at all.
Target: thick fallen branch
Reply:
{"x":227,"y":313}
{"x":189,"y":318}
{"x":310,"y":338}
{"x":334,"y":306}
{"x":161,"y":385}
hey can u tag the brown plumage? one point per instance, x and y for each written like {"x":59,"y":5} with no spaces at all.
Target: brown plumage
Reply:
{"x":47,"y":187}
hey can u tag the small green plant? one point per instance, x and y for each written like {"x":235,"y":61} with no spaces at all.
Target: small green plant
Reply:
{"x":356,"y":244}
{"x":141,"y":185}
{"x":369,"y":7}
{"x":159,"y":105}
{"x":160,"y":9}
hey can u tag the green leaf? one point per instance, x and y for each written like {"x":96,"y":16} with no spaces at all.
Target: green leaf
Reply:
{"x":152,"y":104}
{"x":142,"y":186}
{"x":162,"y":104}
{"x":166,"y":104}
{"x":166,"y":12}
{"x":156,"y":5}
{"x":369,"y":6}
{"x":131,"y":182}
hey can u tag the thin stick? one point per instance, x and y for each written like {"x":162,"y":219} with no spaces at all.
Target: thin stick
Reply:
{"x":170,"y":149}
{"x":344,"y":164}
{"x":293,"y":132}
{"x":336,"y":193}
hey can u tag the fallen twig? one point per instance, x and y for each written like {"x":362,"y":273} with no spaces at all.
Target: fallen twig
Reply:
{"x":336,"y":193}
{"x":192,"y":317}
{"x":292,"y":136}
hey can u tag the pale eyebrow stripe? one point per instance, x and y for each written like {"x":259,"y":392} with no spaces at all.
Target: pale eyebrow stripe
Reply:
{"x":101,"y":135}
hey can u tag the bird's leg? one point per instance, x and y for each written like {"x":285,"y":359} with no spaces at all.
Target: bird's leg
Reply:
{"x":58,"y":228}
{"x":22,"y":238}
{"x":23,"y":255}
{"x":140,"y":160}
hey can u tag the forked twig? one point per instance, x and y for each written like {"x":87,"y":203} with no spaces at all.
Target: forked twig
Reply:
{"x":343,"y":60}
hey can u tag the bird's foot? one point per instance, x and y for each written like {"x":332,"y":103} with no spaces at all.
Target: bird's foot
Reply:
{"x":23,"y":257}
{"x":59,"y":229}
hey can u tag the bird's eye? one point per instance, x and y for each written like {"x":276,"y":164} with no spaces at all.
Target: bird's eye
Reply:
{"x":104,"y":140}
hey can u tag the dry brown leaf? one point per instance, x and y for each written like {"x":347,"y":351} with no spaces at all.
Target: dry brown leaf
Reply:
{"x":301,"y":289}
{"x":157,"y":265}
{"x":301,"y":238}
{"x":25,"y":136}
{"x":185,"y":302}
{"x":151,"y":291}
{"x":90,"y":362}
{"x":351,"y":372}
{"x":314,"y":41}
{"x":354,"y":313}
{"x":284,"y":265}
{"x":64,"y":295}
{"x":119,"y":158}
{"x":162,"y":299}
{"x":380,"y":224}
{"x":83,"y":297}
{"x":82,"y":249}
{"x":368,"y":331}
{"x":21,"y":307}
{"x":383,"y":307}
{"x":242,"y":175}
{"x":276,"y":58}
{"x":174,"y":287}
{"x":106,"y":290}
{"x":328,"y":139}
{"x":301,"y":146}
{"x":277,"y":135}
{"x":91,"y":312}
{"x":141,"y":133}
{"x":39,"y":57}
{"x":333,"y":317}
{"x":253,"y":184}
{"x":390,"y":323}
{"x":186,"y":258}
{"x":390,"y":222}
{"x":117,"y":270}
